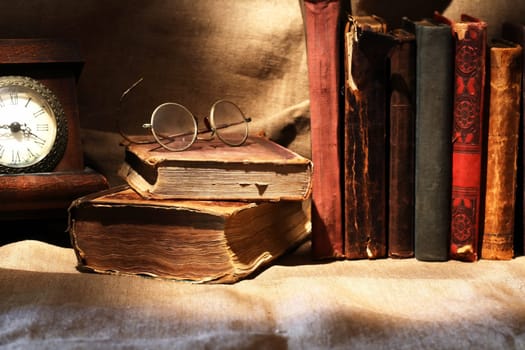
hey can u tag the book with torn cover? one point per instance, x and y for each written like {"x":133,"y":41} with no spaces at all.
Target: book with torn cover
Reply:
{"x":367,"y":46}
{"x":119,"y":232}
{"x":210,"y":170}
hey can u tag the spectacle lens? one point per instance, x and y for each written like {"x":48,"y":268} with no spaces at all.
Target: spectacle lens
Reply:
{"x":173,"y":126}
{"x":229,"y":122}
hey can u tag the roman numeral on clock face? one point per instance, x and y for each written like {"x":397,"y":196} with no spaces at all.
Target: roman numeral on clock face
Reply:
{"x":30,"y":155}
{"x":14,"y":98}
{"x":42,"y":127}
{"x":39,"y":141}
{"x":15,"y":157}
{"x":38,"y":113}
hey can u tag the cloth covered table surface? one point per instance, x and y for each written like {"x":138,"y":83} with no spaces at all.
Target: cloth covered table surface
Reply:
{"x":297,"y":303}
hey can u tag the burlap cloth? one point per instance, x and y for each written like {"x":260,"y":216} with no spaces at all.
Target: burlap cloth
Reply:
{"x":296,"y":303}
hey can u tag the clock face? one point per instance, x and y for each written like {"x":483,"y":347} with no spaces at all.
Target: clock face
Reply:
{"x":33,"y":129}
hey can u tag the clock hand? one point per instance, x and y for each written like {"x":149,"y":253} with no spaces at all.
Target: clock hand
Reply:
{"x":27,"y":132}
{"x":6,"y":126}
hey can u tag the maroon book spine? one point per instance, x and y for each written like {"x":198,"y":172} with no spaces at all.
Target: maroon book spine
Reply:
{"x":322,"y":20}
{"x":402,"y":137}
{"x":467,"y":137}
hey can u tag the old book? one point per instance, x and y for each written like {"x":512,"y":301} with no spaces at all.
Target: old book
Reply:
{"x":470,"y":36}
{"x":502,"y":150}
{"x":259,"y":170}
{"x":515,"y":32}
{"x":434,"y":84}
{"x":119,"y":232}
{"x":323,"y":39}
{"x":401,"y":120}
{"x":365,"y":161}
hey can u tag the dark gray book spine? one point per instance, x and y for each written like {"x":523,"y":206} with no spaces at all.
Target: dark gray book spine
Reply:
{"x":434,"y":97}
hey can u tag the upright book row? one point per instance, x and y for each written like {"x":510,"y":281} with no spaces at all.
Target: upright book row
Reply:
{"x":423,"y":143}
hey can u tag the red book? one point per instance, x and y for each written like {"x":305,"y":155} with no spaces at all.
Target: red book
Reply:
{"x":322,"y":19}
{"x":470,"y":35}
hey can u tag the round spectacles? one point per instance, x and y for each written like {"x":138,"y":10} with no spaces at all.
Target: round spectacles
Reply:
{"x":175,"y":128}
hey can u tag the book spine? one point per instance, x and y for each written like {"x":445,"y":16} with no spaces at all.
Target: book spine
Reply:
{"x":402,"y":130}
{"x":365,"y":159}
{"x":502,"y":144}
{"x":516,"y":33}
{"x":470,"y":40}
{"x":434,"y":83}
{"x":322,"y":23}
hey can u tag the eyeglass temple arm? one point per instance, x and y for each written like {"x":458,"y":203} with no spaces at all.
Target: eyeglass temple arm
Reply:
{"x":128,"y":90}
{"x":122,"y":97}
{"x":223,"y":126}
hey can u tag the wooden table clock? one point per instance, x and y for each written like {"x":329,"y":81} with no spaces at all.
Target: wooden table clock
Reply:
{"x":41,"y":158}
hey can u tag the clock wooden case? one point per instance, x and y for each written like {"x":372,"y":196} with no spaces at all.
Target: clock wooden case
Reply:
{"x":56,"y":64}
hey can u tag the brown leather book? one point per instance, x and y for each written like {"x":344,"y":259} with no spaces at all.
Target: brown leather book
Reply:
{"x":323,"y":38}
{"x":260,"y":169}
{"x":467,"y":136}
{"x":402,"y":137}
{"x":365,"y":159}
{"x":515,"y":32}
{"x":119,"y":232}
{"x":502,"y":150}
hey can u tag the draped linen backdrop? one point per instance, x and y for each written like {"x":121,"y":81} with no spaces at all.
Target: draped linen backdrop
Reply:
{"x":251,"y":52}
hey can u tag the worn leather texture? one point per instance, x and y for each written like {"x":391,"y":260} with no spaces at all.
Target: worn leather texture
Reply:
{"x":502,"y":151}
{"x":515,"y":31}
{"x":365,"y":122}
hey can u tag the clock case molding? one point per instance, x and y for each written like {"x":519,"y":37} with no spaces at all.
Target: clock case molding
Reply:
{"x":57,"y":64}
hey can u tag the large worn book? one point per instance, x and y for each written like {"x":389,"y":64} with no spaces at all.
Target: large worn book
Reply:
{"x":516,"y":32}
{"x":502,"y":150}
{"x":259,"y":170}
{"x":365,"y":123}
{"x":323,"y":38}
{"x":434,"y":84}
{"x":119,"y":232}
{"x":470,"y":35}
{"x":402,"y":87}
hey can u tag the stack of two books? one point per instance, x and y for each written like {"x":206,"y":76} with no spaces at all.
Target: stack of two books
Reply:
{"x":210,"y":214}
